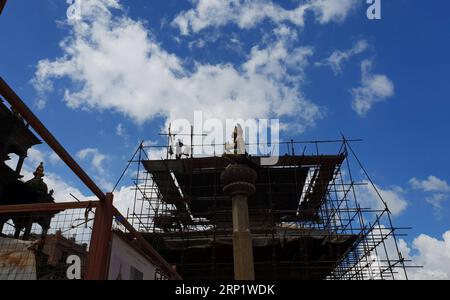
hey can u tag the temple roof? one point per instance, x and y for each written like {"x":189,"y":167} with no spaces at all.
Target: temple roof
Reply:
{"x":15,"y":133}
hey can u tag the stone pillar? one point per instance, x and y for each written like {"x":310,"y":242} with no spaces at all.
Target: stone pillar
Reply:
{"x":239,"y":183}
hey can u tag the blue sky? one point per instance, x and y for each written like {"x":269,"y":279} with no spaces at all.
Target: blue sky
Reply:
{"x":405,"y":131}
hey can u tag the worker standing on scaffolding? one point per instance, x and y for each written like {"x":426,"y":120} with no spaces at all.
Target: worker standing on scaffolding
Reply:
{"x":179,"y":149}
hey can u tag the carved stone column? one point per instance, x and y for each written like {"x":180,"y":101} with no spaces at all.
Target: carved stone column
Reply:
{"x":239,"y":183}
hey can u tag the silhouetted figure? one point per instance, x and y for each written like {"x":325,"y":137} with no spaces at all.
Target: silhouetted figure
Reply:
{"x":32,"y":192}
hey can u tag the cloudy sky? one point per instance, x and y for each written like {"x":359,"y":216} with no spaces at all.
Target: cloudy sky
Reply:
{"x":118,"y":71}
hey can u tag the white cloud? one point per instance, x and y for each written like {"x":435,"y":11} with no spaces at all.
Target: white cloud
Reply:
{"x":376,"y":265}
{"x":374,"y":88}
{"x":118,"y":66}
{"x":35,"y":157}
{"x":438,"y":190}
{"x":433,"y":254}
{"x":40,"y":104}
{"x":332,"y":10}
{"x":427,"y":258}
{"x":394,"y":198}
{"x":97,"y":161}
{"x":54,"y":159}
{"x":437,"y":200}
{"x":338,"y":57}
{"x":121,"y":131}
{"x":246,"y":14}
{"x":431,"y":184}
{"x":249,"y":13}
{"x":124,"y":199}
{"x":96,"y":158}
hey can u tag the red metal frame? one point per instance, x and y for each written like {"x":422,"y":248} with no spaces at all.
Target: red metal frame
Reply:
{"x":98,"y":259}
{"x":2,"y":5}
{"x":7,"y":92}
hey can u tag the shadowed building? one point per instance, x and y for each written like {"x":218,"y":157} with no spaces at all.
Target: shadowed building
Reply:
{"x":16,"y":139}
{"x":195,"y":231}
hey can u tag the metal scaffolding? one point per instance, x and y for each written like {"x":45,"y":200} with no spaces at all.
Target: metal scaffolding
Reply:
{"x":308,"y":218}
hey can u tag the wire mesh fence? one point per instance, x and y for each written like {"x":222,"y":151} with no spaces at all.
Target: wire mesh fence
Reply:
{"x":41,"y":239}
{"x":43,"y":245}
{"x":57,"y":242}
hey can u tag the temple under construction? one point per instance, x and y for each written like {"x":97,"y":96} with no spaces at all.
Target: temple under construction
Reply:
{"x":232,"y":217}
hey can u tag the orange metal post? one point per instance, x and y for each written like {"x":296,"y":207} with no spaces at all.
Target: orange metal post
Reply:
{"x":100,"y":248}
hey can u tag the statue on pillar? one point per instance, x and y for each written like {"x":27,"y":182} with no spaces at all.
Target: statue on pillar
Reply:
{"x":34,"y":191}
{"x":37,"y":183}
{"x":238,"y":145}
